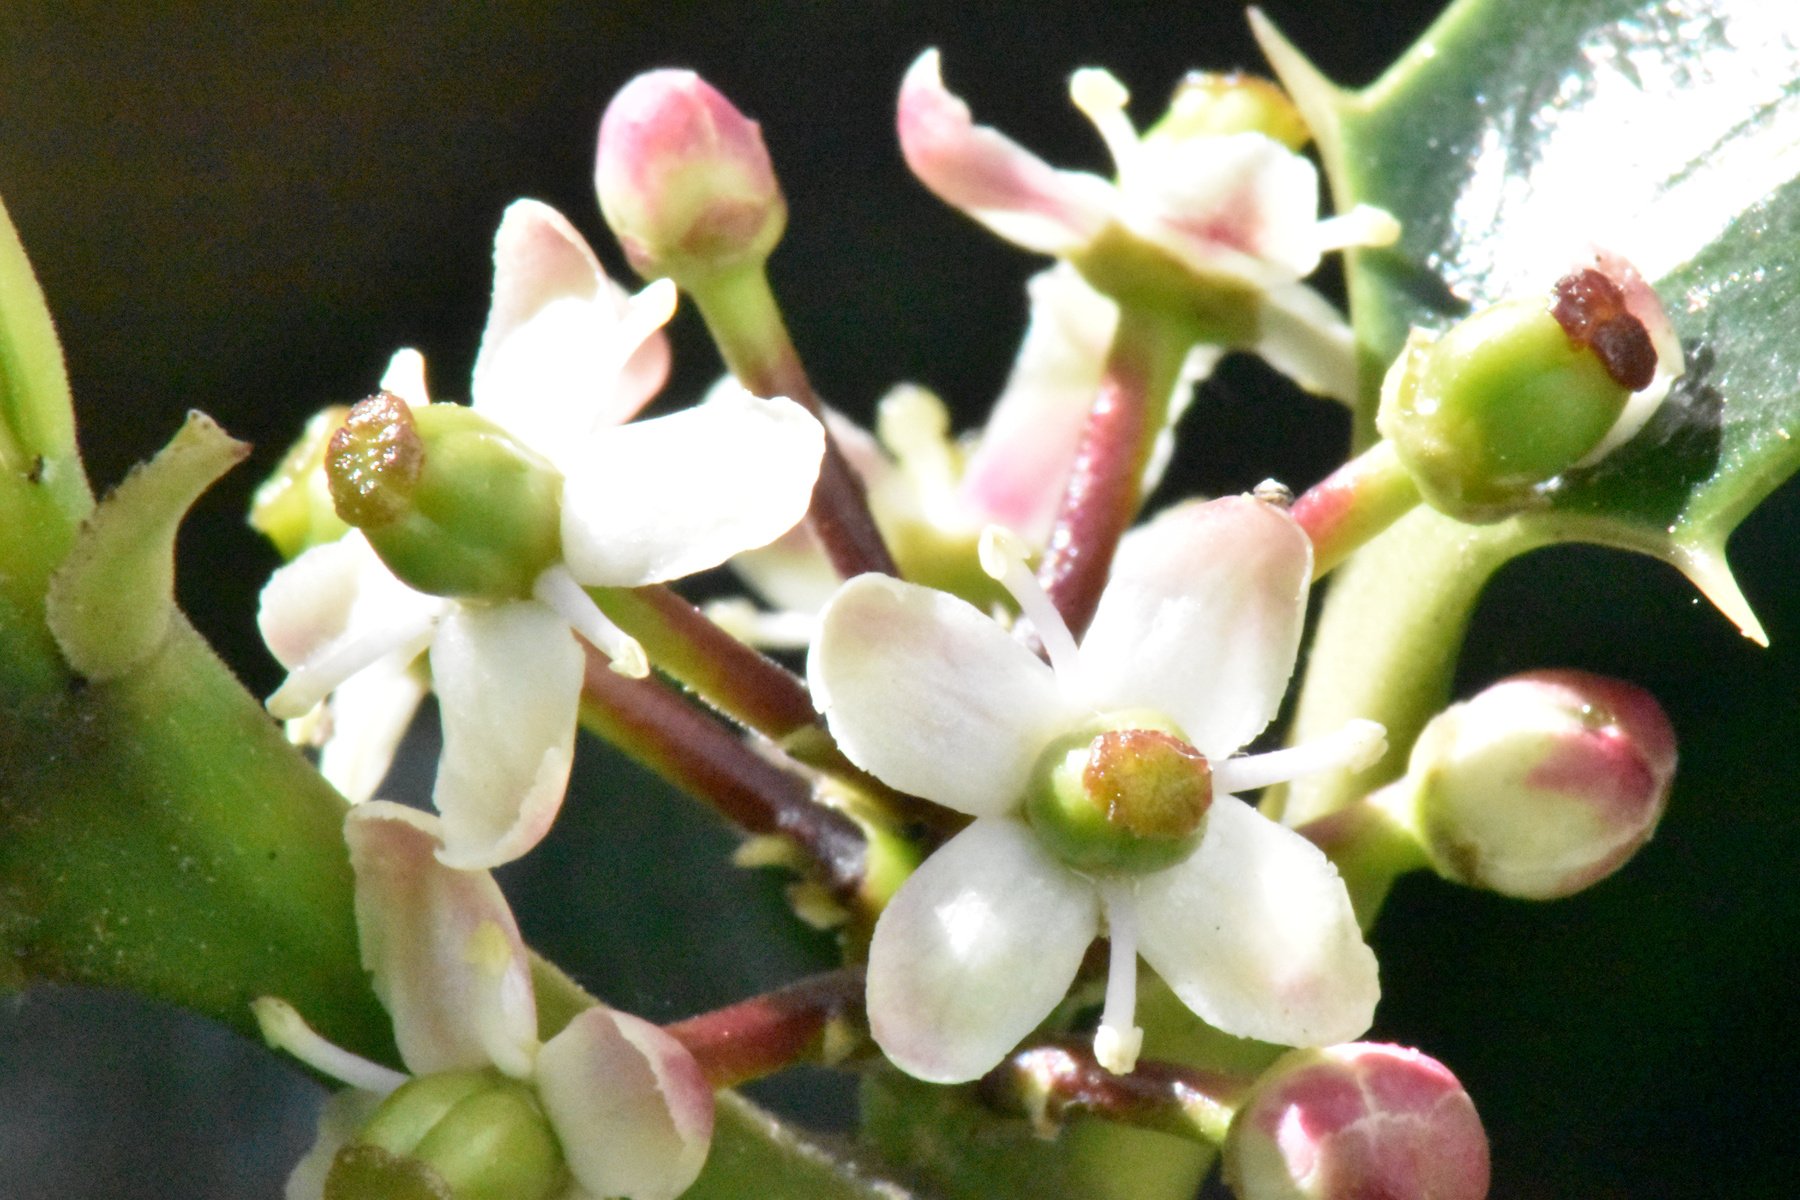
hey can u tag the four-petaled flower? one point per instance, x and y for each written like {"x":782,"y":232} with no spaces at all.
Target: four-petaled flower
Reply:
{"x":627,"y":1102}
{"x":1197,"y":631}
{"x":1236,"y":211}
{"x":566,"y":359}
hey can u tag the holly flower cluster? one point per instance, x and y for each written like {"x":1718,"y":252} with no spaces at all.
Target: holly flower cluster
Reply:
{"x":1031,"y":718}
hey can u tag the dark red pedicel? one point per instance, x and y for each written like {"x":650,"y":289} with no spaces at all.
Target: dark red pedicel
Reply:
{"x":1591,"y":309}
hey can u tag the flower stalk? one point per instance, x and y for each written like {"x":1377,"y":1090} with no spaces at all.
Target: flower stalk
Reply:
{"x":1353,"y":504}
{"x":1047,"y":1084}
{"x":815,"y":1020}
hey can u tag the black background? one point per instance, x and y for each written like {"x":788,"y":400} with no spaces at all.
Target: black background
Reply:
{"x":244,"y":209}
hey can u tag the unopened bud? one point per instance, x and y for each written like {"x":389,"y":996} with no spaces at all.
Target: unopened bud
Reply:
{"x":293,"y":507}
{"x":1207,"y":104}
{"x":452,"y":503}
{"x":1126,"y":793}
{"x":1540,"y":785}
{"x":684,"y":179}
{"x":471,"y":1135}
{"x":1355,"y":1121}
{"x":1487,"y":414}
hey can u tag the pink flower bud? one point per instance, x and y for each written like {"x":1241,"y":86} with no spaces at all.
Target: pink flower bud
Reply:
{"x":684,"y":179}
{"x":1354,"y":1121}
{"x":1542,"y":784}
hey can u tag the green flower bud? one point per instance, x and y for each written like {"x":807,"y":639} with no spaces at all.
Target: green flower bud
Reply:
{"x":459,"y":1135}
{"x":1124,"y":793}
{"x":293,"y":507}
{"x":1206,"y":104}
{"x":1487,"y":414}
{"x":455,"y":505}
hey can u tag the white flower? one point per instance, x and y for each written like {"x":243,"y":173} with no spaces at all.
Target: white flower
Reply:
{"x":1238,"y":211}
{"x":628,"y":1103}
{"x":567,"y":357}
{"x":1200,"y":624}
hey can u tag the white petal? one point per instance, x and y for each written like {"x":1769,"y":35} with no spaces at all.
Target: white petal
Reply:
{"x":508,"y":680}
{"x":1201,"y":620}
{"x":660,"y":499}
{"x":989,"y":176}
{"x":931,"y":696}
{"x":442,"y":947}
{"x":1305,"y":338}
{"x":975,"y":950}
{"x":332,"y":612}
{"x":561,"y":354}
{"x":1255,"y":933}
{"x":369,"y":714}
{"x":629,"y":1104}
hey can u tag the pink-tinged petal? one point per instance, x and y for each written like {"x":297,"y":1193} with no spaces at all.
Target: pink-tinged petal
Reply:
{"x":441,"y":945}
{"x":932,"y":696}
{"x":561,"y":355}
{"x":1018,"y":471}
{"x":1201,"y":620}
{"x":1243,"y":206}
{"x":628,"y":1103}
{"x":508,"y":680}
{"x":975,"y":950}
{"x":660,"y":499}
{"x":1254,"y":932}
{"x":369,"y":714}
{"x":334,"y":611}
{"x":989,"y":176}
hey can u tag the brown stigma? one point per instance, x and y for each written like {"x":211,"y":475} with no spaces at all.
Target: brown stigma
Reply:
{"x":1591,"y":309}
{"x":373,"y":461}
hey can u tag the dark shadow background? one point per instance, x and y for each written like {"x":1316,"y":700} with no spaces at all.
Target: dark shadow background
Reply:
{"x":245,"y":209}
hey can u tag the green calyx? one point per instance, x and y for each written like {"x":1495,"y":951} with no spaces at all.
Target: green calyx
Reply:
{"x":452,"y":503}
{"x":467,"y":1135}
{"x":1215,"y":308}
{"x":1124,"y":793}
{"x":1506,"y":401}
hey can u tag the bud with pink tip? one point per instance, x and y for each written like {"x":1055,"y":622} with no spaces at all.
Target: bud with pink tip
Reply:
{"x":1354,"y":1121}
{"x":684,"y":179}
{"x":1541,"y":785}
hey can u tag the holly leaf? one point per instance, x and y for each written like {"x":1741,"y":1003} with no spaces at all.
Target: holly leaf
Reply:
{"x":1516,"y":133}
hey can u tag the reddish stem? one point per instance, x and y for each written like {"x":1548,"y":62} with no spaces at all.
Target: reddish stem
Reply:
{"x":1105,"y":487}
{"x":766,"y":1033}
{"x":1048,"y":1082}
{"x":1353,"y":504}
{"x":657,"y":726}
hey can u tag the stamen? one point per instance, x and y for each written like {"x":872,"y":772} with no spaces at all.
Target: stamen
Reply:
{"x":1118,"y":1040}
{"x":319,"y":676}
{"x":405,"y":377}
{"x":1003,"y":557}
{"x":1364,"y":225}
{"x":757,"y":627}
{"x":1102,"y":99}
{"x":1355,"y":746}
{"x":285,"y":1029}
{"x":557,"y":588}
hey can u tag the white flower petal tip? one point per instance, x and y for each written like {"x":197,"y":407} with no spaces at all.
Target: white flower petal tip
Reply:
{"x":664,"y":498}
{"x":1255,"y":934}
{"x":990,"y":177}
{"x":445,"y":954}
{"x":629,"y":1104}
{"x":930,"y":695}
{"x":405,"y":377}
{"x":1117,"y":1049}
{"x":974,"y":951}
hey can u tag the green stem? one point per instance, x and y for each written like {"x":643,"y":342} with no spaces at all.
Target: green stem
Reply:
{"x":1354,"y":504}
{"x":1106,"y":480}
{"x":1387,"y":643}
{"x":745,"y":322}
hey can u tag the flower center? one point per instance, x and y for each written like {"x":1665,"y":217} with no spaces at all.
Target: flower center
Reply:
{"x":452,"y":503}
{"x":1124,"y":793}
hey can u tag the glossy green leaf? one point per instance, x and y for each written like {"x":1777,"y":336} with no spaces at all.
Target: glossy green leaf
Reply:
{"x":1516,"y":133}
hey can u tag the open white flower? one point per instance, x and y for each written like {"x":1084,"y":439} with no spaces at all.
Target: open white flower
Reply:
{"x":1238,"y":211}
{"x":1189,"y":655}
{"x":566,"y":358}
{"x":627,"y":1103}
